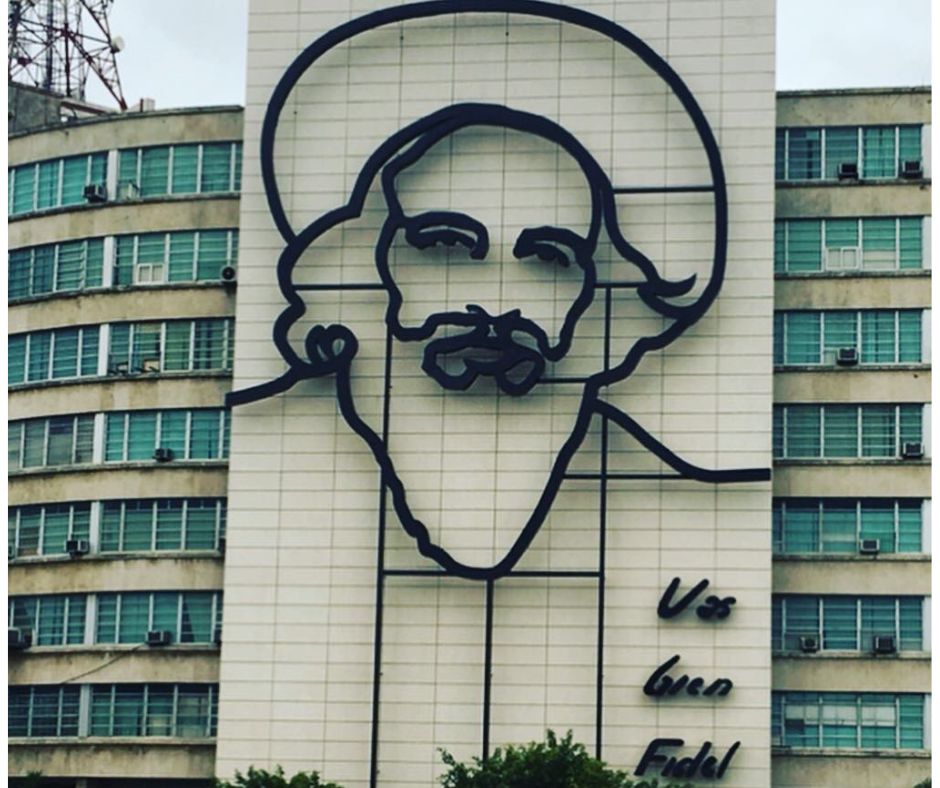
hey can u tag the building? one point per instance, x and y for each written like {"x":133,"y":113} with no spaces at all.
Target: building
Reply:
{"x":342,"y":651}
{"x":123,"y":233}
{"x":851,"y":611}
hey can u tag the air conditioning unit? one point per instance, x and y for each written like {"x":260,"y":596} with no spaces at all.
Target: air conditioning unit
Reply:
{"x":121,"y":368}
{"x":228,"y":273}
{"x":220,"y":545}
{"x":884,"y":644}
{"x":809,"y":644}
{"x":95,"y":192}
{"x":19,"y":638}
{"x":913,"y":450}
{"x":162,"y":454}
{"x":11,"y":552}
{"x":159,"y":637}
{"x":912,"y":169}
{"x":76,"y":547}
{"x":217,"y":635}
{"x":847,"y":356}
{"x":128,"y":190}
{"x":869,"y":546}
{"x":150,"y":365}
{"x":848,"y":171}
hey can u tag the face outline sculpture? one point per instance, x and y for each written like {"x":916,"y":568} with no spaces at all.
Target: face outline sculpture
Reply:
{"x":330,"y":350}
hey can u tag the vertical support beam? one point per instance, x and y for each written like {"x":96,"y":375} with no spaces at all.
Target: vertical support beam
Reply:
{"x":488,"y":667}
{"x":602,"y":549}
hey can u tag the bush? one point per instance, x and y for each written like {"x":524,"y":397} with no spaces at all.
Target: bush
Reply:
{"x":259,"y":778}
{"x":924,"y":784}
{"x":551,"y":764}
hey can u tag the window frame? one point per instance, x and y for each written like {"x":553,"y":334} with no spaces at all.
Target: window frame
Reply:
{"x":222,"y":448}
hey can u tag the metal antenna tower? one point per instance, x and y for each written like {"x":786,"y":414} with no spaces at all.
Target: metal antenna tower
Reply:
{"x":55,"y":44}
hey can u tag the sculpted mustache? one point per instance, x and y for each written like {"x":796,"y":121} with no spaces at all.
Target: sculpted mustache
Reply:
{"x":515,"y":367}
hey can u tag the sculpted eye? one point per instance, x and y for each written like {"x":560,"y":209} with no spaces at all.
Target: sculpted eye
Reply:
{"x":447,"y":229}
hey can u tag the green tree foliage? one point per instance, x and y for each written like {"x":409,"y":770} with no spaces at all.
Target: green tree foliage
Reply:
{"x":554,"y":763}
{"x":924,"y":784}
{"x":259,"y":778}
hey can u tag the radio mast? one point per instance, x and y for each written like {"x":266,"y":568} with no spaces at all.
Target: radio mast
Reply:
{"x":54,"y":45}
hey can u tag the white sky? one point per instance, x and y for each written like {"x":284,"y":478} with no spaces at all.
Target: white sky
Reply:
{"x":192,"y":52}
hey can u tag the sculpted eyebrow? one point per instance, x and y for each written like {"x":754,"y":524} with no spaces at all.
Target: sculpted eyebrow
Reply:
{"x":449,"y":228}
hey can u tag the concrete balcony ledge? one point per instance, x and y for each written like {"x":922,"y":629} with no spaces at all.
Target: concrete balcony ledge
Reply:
{"x":154,"y":757}
{"x":114,"y":664}
{"x":29,"y":473}
{"x":116,"y":649}
{"x":214,"y":284}
{"x":133,"y":377}
{"x":832,"y":752}
{"x":857,"y":368}
{"x":855,"y":273}
{"x":64,"y":558}
{"x":852,"y":557}
{"x":850,"y":462}
{"x":918,"y":656}
{"x":112,"y":204}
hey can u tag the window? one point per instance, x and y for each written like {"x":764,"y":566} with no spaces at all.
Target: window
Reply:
{"x":845,"y":431}
{"x":813,"y":153}
{"x":59,"y":440}
{"x":54,"y":183}
{"x":875,"y":244}
{"x":55,"y":268}
{"x":177,"y":346}
{"x":180,"y":169}
{"x":181,"y":710}
{"x":43,"y":529}
{"x":44,"y":711}
{"x":836,"y":525}
{"x":851,"y":721}
{"x":189,"y":617}
{"x":847,"y":623}
{"x":189,"y":434}
{"x":882,"y":336}
{"x":54,"y":620}
{"x":155,"y":258}
{"x":164,"y":524}
{"x":52,"y":355}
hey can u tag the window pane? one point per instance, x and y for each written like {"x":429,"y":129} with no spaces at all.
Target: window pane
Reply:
{"x":94,"y":262}
{"x":71,"y":269}
{"x":805,"y":154}
{"x":780,"y":154}
{"x":840,"y":623}
{"x":159,"y":710}
{"x":110,"y":534}
{"x":802,"y":337}
{"x":193,"y":710}
{"x":166,"y":613}
{"x":89,"y":351}
{"x":878,"y":438}
{"x":16,"y":359}
{"x":135,"y":618}
{"x":780,"y":257}
{"x":47,"y":192}
{"x":43,"y":269}
{"x":205,"y":435}
{"x":30,"y":521}
{"x":910,"y":526}
{"x":55,"y":529}
{"x":51,"y":630}
{"x":841,"y":244}
{"x":841,"y":148}
{"x":173,"y":432}
{"x":909,"y":336}
{"x":184,"y":168}
{"x":213,"y":254}
{"x":169,"y":525}
{"x":840,"y":431}
{"x":911,"y":623}
{"x":200,"y":524}
{"x":101,"y":710}
{"x":23,"y":183}
{"x":65,"y":353}
{"x":839,"y":527}
{"x":19,"y":273}
{"x":209,"y":344}
{"x":911,"y":242}
{"x":128,"y":710}
{"x":877,"y":618}
{"x":911,"y":721}
{"x":877,"y":522}
{"x":801,"y":528}
{"x":178,"y":335}
{"x":145,"y":352}
{"x":801,"y":616}
{"x":878,"y":154}
{"x":154,"y":163}
{"x":142,"y":435}
{"x":878,"y":336}
{"x":839,"y":331}
{"x":803,"y":438}
{"x":909,"y":143}
{"x":74,"y":179}
{"x":197,"y":618}
{"x":911,"y":427}
{"x":138,"y":525}
{"x":61,"y":440}
{"x":216,"y":167}
{"x":127,"y":166}
{"x":40,"y":347}
{"x":804,"y":245}
{"x":182,"y":254}
{"x":879,"y":250}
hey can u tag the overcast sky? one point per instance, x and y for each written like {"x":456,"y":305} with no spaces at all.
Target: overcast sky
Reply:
{"x":192,"y":52}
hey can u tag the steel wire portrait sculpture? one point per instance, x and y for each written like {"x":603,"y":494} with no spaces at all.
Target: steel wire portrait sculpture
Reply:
{"x":462,"y":346}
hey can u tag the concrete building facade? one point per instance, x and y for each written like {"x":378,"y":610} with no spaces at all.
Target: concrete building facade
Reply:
{"x":354,"y":642}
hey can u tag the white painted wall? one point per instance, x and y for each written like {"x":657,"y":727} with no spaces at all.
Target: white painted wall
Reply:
{"x":296,"y":676}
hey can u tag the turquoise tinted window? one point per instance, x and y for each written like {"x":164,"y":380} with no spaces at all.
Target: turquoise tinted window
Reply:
{"x":841,"y":148}
{"x":879,"y":156}
{"x":911,"y":243}
{"x":909,"y":143}
{"x":185,"y":164}
{"x":804,"y":154}
{"x":804,"y":245}
{"x":154,"y":171}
